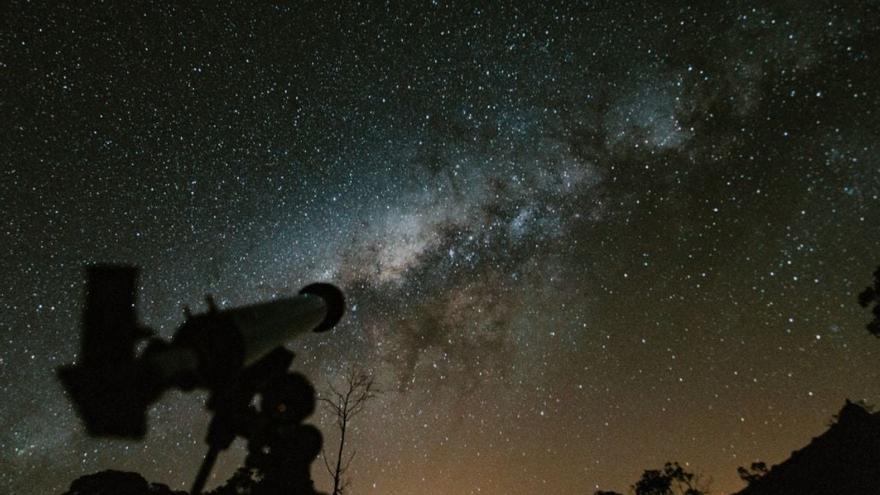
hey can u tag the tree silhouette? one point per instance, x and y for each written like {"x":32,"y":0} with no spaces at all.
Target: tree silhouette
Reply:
{"x":653,"y":482}
{"x":671,"y":480}
{"x":346,"y":404}
{"x":871,"y":295}
{"x":753,"y":473}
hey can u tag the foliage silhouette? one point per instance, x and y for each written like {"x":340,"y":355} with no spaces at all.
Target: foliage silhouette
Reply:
{"x":753,"y":473}
{"x":112,"y":482}
{"x":671,"y":480}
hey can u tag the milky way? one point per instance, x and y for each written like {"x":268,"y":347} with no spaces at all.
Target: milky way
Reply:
{"x":576,"y":241}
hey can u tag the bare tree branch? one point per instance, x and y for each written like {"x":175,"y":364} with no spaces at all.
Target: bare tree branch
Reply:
{"x":348,"y":463}
{"x":326,"y":463}
{"x":346,"y":405}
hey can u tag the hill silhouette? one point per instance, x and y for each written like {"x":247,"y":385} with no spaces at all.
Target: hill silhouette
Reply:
{"x":843,"y":460}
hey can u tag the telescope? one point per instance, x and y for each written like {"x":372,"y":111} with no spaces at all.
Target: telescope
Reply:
{"x":234,"y":353}
{"x":112,"y":384}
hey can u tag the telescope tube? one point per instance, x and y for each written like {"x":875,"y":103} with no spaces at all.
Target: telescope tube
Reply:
{"x":219,"y":344}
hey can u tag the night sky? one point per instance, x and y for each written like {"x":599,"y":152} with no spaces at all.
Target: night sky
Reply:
{"x":577,"y":241}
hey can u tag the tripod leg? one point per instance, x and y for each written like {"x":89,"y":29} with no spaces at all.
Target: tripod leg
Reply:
{"x":205,"y":470}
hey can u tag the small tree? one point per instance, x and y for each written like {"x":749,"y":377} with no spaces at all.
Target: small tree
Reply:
{"x":346,"y":404}
{"x":753,"y":473}
{"x":672,"y":480}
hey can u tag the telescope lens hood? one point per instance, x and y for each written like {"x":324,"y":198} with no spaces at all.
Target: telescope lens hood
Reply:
{"x":333,"y":299}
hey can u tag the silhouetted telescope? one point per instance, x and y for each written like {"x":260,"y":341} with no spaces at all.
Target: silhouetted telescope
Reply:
{"x":112,"y":385}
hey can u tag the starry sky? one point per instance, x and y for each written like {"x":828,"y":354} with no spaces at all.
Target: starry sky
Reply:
{"x":577,"y":240}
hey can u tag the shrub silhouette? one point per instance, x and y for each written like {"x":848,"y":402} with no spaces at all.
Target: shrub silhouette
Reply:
{"x":112,"y":482}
